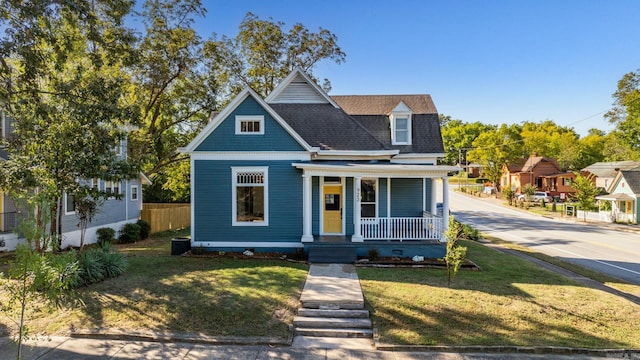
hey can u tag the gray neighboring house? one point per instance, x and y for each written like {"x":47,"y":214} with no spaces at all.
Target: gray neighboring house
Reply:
{"x":113,"y":213}
{"x":605,"y":172}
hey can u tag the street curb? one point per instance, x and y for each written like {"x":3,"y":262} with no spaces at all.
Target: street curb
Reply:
{"x":556,"y":350}
{"x":164,"y":337}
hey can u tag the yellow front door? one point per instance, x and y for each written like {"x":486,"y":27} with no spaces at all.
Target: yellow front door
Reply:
{"x":332,"y":213}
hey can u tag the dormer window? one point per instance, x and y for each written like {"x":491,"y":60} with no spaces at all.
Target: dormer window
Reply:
{"x":401,"y":131}
{"x":249,"y":125}
{"x":401,"y":125}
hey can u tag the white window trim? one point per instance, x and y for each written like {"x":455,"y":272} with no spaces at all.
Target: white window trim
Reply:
{"x":241,"y":118}
{"x":394,"y":117}
{"x":234,"y":187}
{"x":109,"y":185}
{"x":136,"y":192}
{"x":66,"y":205}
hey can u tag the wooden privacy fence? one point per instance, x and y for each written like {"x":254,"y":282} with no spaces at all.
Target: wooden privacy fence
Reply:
{"x":163,"y":217}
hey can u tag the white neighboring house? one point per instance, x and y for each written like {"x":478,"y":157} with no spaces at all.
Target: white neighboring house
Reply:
{"x":113,"y":213}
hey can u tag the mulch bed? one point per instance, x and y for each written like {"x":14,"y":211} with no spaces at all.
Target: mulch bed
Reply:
{"x":386,"y":262}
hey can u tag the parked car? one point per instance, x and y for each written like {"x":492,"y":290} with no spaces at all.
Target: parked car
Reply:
{"x":538,"y":196}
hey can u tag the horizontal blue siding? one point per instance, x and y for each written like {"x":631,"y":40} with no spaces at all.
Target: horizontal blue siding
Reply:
{"x":111,"y":210}
{"x":348,"y":211}
{"x":315,"y":208}
{"x":275,"y":138}
{"x":427,"y":199}
{"x":406,"y":197}
{"x":212,"y":203}
{"x":382,"y":197}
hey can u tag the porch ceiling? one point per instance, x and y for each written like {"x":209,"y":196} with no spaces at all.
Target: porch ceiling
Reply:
{"x":377,"y":170}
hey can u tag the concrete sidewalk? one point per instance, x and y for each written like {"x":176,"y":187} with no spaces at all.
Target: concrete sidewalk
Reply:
{"x":66,"y":348}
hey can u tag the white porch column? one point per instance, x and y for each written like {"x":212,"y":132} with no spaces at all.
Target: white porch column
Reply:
{"x":357,"y":236}
{"x":434,"y":196}
{"x":306,"y":209}
{"x":445,"y":203}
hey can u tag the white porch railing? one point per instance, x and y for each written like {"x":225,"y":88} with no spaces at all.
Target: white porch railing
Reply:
{"x":402,"y":228}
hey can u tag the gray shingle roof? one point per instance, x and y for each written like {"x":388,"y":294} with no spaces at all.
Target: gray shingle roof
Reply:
{"x":363,"y":123}
{"x":383,"y":104}
{"x":326,"y":127}
{"x":610,"y":169}
{"x":633,"y":179}
{"x":425,"y":132}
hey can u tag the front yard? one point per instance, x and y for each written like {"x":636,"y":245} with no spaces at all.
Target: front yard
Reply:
{"x":509,"y":302}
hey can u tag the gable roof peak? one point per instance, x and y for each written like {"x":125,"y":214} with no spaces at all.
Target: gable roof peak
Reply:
{"x":401,"y":108}
{"x":299,"y":88}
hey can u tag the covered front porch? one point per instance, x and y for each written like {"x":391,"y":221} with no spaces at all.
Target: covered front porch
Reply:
{"x":623,"y":208}
{"x":374,"y":202}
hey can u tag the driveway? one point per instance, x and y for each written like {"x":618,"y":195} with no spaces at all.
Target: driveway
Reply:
{"x":597,"y":246}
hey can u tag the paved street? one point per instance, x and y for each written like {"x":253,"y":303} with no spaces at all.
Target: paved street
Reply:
{"x":613,"y":252}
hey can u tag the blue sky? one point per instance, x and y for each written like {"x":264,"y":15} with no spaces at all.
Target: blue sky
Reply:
{"x":493,"y":61}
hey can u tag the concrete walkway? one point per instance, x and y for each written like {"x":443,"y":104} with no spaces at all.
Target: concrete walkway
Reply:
{"x":336,"y":284}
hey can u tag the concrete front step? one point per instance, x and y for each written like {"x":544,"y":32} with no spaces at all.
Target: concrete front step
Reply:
{"x":333,"y":304}
{"x":336,"y":333}
{"x":333,"y":313}
{"x":324,"y":322}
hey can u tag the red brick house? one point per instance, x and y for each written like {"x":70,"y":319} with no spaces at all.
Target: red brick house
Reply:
{"x":542,"y":172}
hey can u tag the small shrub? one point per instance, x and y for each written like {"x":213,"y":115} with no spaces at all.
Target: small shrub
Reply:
{"x":114,"y":264}
{"x":91,"y":269}
{"x":105,"y":235}
{"x":129,"y":233}
{"x":145,"y":229}
{"x":373,"y":254}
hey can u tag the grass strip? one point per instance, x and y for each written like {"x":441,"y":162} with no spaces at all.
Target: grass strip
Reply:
{"x":510,"y":302}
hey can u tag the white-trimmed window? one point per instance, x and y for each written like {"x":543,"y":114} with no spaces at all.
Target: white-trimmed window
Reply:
{"x":401,"y":129}
{"x":134,"y":192}
{"x":368,"y":198}
{"x":250,"y":196}
{"x":249,"y":124}
{"x":69,"y":204}
{"x":95,"y":184}
{"x":112,"y":187}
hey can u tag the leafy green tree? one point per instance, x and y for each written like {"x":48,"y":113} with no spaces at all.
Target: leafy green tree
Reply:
{"x":263,"y":53}
{"x":175,"y":89}
{"x":585,"y":194}
{"x":62,"y":83}
{"x":626,"y":110}
{"x":551,"y":140}
{"x":591,"y":149}
{"x":617,"y":149}
{"x":458,"y":137}
{"x":496,"y":149}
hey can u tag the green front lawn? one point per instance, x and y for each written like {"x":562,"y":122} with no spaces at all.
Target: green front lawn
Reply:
{"x":509,"y":302}
{"x":212,"y":296}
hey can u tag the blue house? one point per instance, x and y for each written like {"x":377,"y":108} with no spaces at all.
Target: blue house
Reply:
{"x":300,"y":169}
{"x":114,"y":212}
